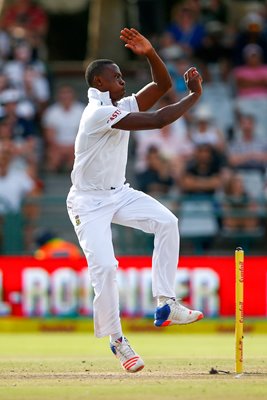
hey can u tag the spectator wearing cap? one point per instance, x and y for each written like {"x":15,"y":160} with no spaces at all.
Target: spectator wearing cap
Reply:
{"x":177,"y":67}
{"x":60,"y":125}
{"x":204,"y":129}
{"x":250,"y":82}
{"x":251,"y":32}
{"x":251,"y":78}
{"x":169,"y":49}
{"x":176,"y":60}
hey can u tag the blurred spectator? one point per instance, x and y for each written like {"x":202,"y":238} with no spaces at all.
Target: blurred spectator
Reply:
{"x":177,"y":67}
{"x":251,"y":32}
{"x":5,"y":47}
{"x":247,"y":151}
{"x":60,"y":123}
{"x":240,"y":211}
{"x":205,"y":131}
{"x":36,"y":89}
{"x":250,"y":81}
{"x":176,"y":61}
{"x":15,"y":68}
{"x":186,"y":28}
{"x":17,"y":186}
{"x":24,"y":19}
{"x":169,"y":49}
{"x":5,"y":131}
{"x":203,"y":175}
{"x":172,"y":142}
{"x":28,"y":77}
{"x":20,"y":127}
{"x":15,"y":183}
{"x":214,"y":46}
{"x":52,"y":246}
{"x":214,"y":10}
{"x":251,"y":77}
{"x":156,"y":179}
{"x":218,"y":94}
{"x":4,"y":82}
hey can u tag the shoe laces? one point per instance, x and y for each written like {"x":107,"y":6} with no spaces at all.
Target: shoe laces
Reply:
{"x":124,"y":350}
{"x":177,"y":308}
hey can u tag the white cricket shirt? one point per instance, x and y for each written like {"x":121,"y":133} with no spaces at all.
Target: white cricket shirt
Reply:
{"x":100,"y":150}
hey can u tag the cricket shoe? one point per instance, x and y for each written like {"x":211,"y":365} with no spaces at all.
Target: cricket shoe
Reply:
{"x":174,"y":313}
{"x":129,"y":359}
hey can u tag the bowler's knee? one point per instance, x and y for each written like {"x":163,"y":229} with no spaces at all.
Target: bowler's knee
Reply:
{"x":169,"y":221}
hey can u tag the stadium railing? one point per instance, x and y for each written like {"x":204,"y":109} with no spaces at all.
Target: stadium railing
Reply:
{"x":200,"y":225}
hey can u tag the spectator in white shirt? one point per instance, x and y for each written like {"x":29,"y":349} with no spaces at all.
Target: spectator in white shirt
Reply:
{"x":15,"y":183}
{"x":246,"y":151}
{"x":60,"y":123}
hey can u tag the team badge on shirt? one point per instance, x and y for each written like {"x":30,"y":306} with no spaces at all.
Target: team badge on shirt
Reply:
{"x":77,"y":220}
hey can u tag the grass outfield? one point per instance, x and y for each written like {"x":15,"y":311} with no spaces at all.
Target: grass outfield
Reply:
{"x":75,"y":366}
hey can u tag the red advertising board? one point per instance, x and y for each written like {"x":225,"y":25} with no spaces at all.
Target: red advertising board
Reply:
{"x":61,"y":287}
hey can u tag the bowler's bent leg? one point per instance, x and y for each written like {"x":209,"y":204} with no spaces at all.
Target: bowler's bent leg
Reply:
{"x":145,"y":213}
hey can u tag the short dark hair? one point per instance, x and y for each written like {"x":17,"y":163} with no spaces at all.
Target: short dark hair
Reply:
{"x":95,"y":68}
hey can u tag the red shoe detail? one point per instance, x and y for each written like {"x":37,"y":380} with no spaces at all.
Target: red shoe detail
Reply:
{"x":139,"y":369}
{"x":166,"y":323}
{"x":200,"y":317}
{"x":129,"y":366}
{"x":129,"y":363}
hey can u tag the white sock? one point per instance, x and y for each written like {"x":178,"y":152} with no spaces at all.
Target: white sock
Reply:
{"x":161,"y":300}
{"x":115,"y":336}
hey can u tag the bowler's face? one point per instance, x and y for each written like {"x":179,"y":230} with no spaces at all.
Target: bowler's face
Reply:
{"x":112,"y":81}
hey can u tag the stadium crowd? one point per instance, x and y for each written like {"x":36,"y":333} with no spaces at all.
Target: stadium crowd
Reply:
{"x":216,"y":155}
{"x":216,"y":152}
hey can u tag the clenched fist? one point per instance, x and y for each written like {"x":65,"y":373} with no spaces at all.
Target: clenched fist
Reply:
{"x":193,"y":80}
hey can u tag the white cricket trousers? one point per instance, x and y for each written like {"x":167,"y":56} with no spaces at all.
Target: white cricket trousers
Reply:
{"x":92,"y":213}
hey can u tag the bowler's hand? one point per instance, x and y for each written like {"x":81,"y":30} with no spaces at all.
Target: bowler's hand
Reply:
{"x":135,"y":41}
{"x":193,"y":80}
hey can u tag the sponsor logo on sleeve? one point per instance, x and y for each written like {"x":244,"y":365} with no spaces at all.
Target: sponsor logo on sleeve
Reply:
{"x":114,"y":115}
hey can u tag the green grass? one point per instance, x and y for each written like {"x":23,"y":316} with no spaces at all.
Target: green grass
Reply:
{"x":78,"y":366}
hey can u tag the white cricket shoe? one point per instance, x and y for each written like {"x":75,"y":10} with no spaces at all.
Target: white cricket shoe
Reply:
{"x":174,"y":313}
{"x":129,"y":359}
